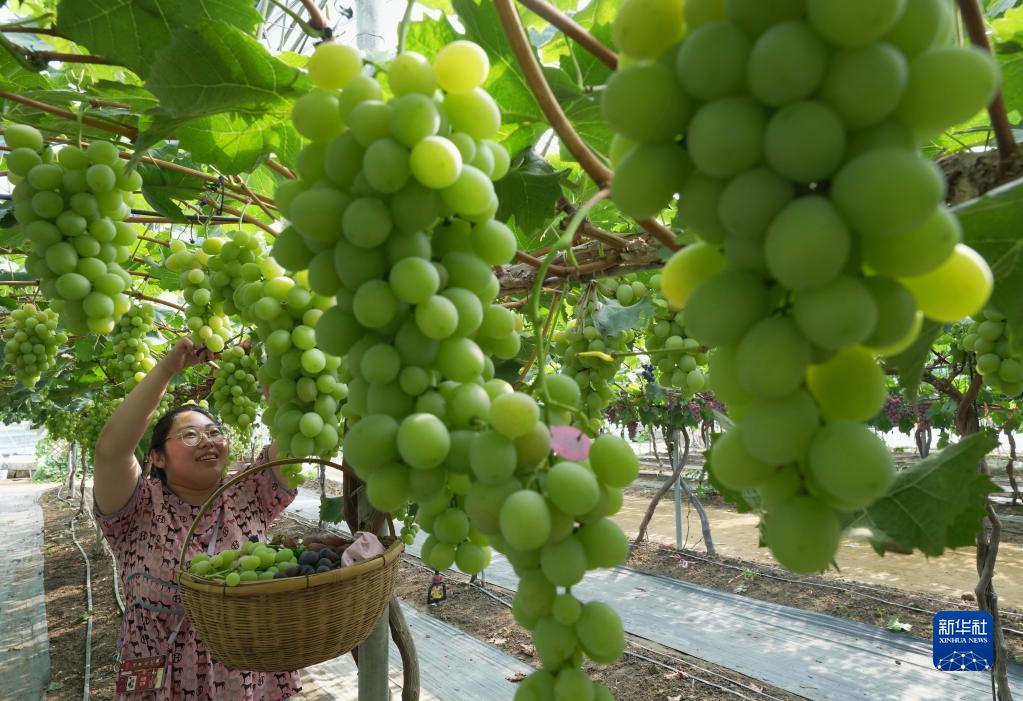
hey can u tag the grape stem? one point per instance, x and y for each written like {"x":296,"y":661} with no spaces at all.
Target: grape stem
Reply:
{"x":538,"y":85}
{"x":46,"y":56}
{"x":571,"y":29}
{"x":973,"y":20}
{"x":564,"y":241}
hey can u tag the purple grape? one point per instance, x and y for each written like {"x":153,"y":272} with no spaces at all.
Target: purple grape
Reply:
{"x":329,"y":554}
{"x":307,"y":569}
{"x":293,"y":571}
{"x":280,"y":575}
{"x":323,"y":568}
{"x":309,"y":557}
{"x":324,"y":562}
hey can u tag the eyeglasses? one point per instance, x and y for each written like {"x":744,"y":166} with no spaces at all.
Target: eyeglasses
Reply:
{"x":193,"y":436}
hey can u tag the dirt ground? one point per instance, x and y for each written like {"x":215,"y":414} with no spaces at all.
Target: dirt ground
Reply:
{"x":67,"y":612}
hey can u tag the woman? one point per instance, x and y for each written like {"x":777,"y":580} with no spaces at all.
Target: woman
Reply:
{"x":145,"y":522}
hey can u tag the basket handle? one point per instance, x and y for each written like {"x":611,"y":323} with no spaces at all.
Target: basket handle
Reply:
{"x":244,"y":474}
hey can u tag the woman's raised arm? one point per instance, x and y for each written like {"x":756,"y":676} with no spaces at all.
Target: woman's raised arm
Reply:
{"x":116,"y":469}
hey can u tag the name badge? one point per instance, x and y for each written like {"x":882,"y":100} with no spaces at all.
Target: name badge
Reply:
{"x":141,"y":674}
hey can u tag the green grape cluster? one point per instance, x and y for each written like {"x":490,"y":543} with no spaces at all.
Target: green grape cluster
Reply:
{"x":206,"y":317}
{"x":236,"y":391}
{"x":72,"y":205}
{"x":393,"y":217}
{"x":587,"y":353}
{"x":679,"y":360}
{"x":132,"y":353}
{"x":62,"y":425}
{"x":1001,"y":369}
{"x":235,"y":259}
{"x":32,"y":339}
{"x":789,"y":132}
{"x":409,"y":527}
{"x":255,"y":561}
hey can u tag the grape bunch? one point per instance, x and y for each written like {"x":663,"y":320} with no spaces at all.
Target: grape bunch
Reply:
{"x":255,"y":561}
{"x":392,"y":216}
{"x":62,"y":425}
{"x":32,"y":339}
{"x":678,"y":359}
{"x":236,"y":391}
{"x":72,"y":206}
{"x":1001,"y":369}
{"x":824,"y":240}
{"x":206,"y":317}
{"x":586,"y":351}
{"x":132,"y":354}
{"x":236,"y":260}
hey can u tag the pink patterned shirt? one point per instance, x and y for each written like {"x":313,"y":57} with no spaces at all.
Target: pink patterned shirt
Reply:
{"x":147,"y":535}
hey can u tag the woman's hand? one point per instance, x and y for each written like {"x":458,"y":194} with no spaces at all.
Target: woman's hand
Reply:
{"x":184,"y":354}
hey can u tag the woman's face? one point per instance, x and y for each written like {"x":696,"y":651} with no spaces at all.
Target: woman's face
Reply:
{"x":199,"y":466}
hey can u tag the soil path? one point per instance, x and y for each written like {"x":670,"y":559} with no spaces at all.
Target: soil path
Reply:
{"x":735,"y":535}
{"x":24,"y":646}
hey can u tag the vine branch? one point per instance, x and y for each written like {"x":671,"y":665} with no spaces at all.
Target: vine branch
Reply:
{"x":533,"y":72}
{"x":68,"y":58}
{"x":572,"y":30}
{"x":973,"y":20}
{"x":111,"y":127}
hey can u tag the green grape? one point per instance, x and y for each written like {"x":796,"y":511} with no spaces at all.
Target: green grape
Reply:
{"x":369,"y":121}
{"x":32,"y":340}
{"x":786,"y":64}
{"x":474,"y":113}
{"x":967,"y":79}
{"x":778,"y":431}
{"x":923,"y":24}
{"x":751,"y":201}
{"x":854,"y":24}
{"x":423,"y":441}
{"x":645,"y":28}
{"x":388,"y":490}
{"x":332,"y":65}
{"x":23,"y":136}
{"x":688,"y":269}
{"x":887,"y":192}
{"x":435,"y":162}
{"x":604,"y":542}
{"x":756,"y":17}
{"x":915,"y":252}
{"x":803,"y":534}
{"x":613,"y":461}
{"x":461,"y":66}
{"x":630,"y":89}
{"x":726,"y":135}
{"x":848,"y":387}
{"x":413,"y":118}
{"x":647,"y":177}
{"x":733,"y":465}
{"x":807,"y":244}
{"x":494,"y":242}
{"x":316,"y":117}
{"x":385,"y":167}
{"x":563,"y":562}
{"x":772,"y":358}
{"x":525,"y":520}
{"x":863,"y":85}
{"x":850,"y":464}
{"x":804,"y":141}
{"x":839,"y":314}
{"x":957,"y":288}
{"x":712,"y":61}
{"x":470,"y":193}
{"x":572,"y":488}
{"x":723,"y":308}
{"x":514,"y":414}
{"x":698,"y":203}
{"x":600,"y":632}
{"x":411,"y":72}
{"x":316,"y":214}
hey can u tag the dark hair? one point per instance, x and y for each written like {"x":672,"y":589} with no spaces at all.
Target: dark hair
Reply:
{"x":162,"y":429}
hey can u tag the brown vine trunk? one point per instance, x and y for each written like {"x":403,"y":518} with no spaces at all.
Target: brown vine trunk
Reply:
{"x":653,"y":444}
{"x":85,"y":470}
{"x":402,"y":637}
{"x":678,"y":464}
{"x":988,"y":538}
{"x":72,"y":459}
{"x":923,"y":437}
{"x":1010,"y":467}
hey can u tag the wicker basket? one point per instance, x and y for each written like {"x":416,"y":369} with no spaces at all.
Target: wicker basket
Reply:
{"x":286,"y":624}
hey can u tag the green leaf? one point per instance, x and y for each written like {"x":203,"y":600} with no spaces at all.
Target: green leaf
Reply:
{"x":430,"y":36}
{"x":612,"y":318}
{"x":161,"y":187}
{"x":85,"y":348}
{"x":529,"y":192}
{"x":234,"y":142}
{"x":15,"y":78}
{"x":332,"y":509}
{"x":991,"y":227}
{"x":215,"y":68}
{"x":13,"y":236}
{"x":130,"y":32}
{"x":910,"y":363}
{"x":936,"y":504}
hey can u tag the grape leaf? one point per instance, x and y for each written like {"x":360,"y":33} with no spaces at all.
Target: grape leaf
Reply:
{"x":529,"y":192}
{"x":936,"y":504}
{"x":161,"y":187}
{"x":214,"y":68}
{"x":910,"y":363}
{"x":991,"y":227}
{"x":234,"y":142}
{"x":16,"y":78}
{"x":612,"y":318}
{"x":332,"y":509}
{"x":130,"y":32}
